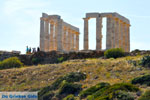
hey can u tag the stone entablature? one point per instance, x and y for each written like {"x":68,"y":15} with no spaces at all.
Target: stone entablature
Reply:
{"x":118,"y":31}
{"x":55,"y":34}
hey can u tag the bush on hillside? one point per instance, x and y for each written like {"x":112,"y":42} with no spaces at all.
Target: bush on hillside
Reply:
{"x":114,"y":53}
{"x":69,"y":97}
{"x":93,"y":89}
{"x":145,"y":96}
{"x":142,"y":80}
{"x":107,"y":92}
{"x":61,"y":59}
{"x":69,"y":88}
{"x":71,"y":77}
{"x":47,"y":96}
{"x":145,"y":61}
{"x":12,"y":62}
{"x":122,"y":95}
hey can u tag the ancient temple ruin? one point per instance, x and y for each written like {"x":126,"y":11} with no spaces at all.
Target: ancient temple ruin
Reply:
{"x":55,"y":34}
{"x":118,"y":31}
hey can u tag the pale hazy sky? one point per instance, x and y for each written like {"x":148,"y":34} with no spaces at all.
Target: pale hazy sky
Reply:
{"x":20,"y":20}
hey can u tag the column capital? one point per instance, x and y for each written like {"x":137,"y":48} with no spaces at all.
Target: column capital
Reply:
{"x":86,"y":19}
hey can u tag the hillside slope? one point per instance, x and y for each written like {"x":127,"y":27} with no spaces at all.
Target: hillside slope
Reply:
{"x":97,"y":70}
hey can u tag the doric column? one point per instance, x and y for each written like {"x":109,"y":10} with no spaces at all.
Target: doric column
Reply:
{"x":55,"y":37}
{"x":116,"y":33}
{"x":72,"y":40}
{"x":112,"y":33}
{"x":98,"y":33}
{"x":59,"y":35}
{"x":64,"y":39}
{"x":51,"y":36}
{"x":124,"y":36}
{"x":121,"y":34}
{"x":46,"y":36}
{"x":86,"y":44}
{"x":42,"y":35}
{"x":128,"y":37}
{"x":69,"y":40}
{"x":109,"y":33}
{"x":77,"y":41}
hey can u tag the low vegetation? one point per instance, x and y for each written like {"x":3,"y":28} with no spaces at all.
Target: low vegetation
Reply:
{"x":145,"y":61}
{"x":142,"y":80}
{"x":145,"y":96}
{"x":114,"y":53}
{"x":12,"y":62}
{"x":111,"y":92}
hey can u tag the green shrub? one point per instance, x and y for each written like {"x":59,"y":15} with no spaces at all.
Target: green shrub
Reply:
{"x":142,"y":80}
{"x":61,"y":59}
{"x":36,"y":60}
{"x":71,"y":77}
{"x":93,"y":89}
{"x":106,"y":93}
{"x":12,"y":62}
{"x":47,"y":96}
{"x":69,"y":88}
{"x":121,"y":95}
{"x":114,"y":53}
{"x":69,"y":97}
{"x":145,"y":61}
{"x":145,"y":96}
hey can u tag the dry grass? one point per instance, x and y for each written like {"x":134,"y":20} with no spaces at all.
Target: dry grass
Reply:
{"x":97,"y":70}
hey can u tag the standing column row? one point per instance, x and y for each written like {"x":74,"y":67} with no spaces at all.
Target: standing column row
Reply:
{"x":70,"y":40}
{"x":117,"y":34}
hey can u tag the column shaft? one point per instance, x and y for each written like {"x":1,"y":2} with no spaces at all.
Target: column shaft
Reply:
{"x":72,"y":41}
{"x":55,"y":37}
{"x":86,"y":44}
{"x":46,"y":36}
{"x":77,"y":42}
{"x":98,"y":33}
{"x":64,"y":40}
{"x":59,"y":35}
{"x":109,"y":33}
{"x":116,"y":33}
{"x":42,"y":35}
{"x":51,"y":36}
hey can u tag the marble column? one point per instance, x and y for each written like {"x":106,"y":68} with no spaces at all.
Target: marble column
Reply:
{"x":98,"y":33}
{"x":77,"y":41}
{"x":124,"y":36}
{"x":113,"y":33}
{"x":46,"y":36}
{"x":59,"y":35}
{"x":51,"y":36}
{"x":121,"y":34}
{"x":42,"y":35}
{"x":109,"y":33}
{"x":116,"y":33}
{"x":55,"y":37}
{"x":128,"y":37}
{"x":64,"y":39}
{"x":72,"y":40}
{"x":86,"y":40}
{"x":69,"y":40}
